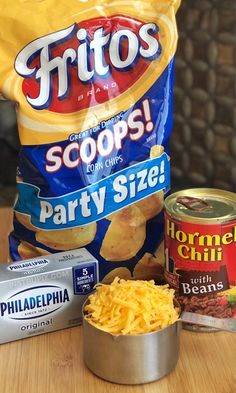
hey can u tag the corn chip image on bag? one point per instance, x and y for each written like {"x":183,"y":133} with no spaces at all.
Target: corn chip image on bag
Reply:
{"x":93,"y":86}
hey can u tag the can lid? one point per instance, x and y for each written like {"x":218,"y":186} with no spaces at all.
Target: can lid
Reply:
{"x":205,"y":205}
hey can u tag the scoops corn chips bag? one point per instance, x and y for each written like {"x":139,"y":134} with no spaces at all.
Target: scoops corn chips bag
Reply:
{"x":93,"y":83}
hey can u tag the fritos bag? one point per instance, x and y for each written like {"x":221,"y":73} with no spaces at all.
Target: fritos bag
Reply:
{"x":93,"y":83}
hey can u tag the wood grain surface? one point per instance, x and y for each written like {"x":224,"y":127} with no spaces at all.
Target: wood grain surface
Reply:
{"x":53,"y":363}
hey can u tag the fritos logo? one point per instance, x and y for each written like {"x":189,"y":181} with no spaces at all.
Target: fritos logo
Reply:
{"x":86,"y":64}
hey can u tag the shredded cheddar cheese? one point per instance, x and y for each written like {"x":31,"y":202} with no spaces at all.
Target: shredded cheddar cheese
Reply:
{"x":131,"y":307}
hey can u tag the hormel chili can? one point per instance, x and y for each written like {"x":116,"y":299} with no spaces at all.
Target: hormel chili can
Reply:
{"x":200,"y":251}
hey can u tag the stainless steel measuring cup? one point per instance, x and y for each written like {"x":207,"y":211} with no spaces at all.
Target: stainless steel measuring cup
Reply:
{"x":141,"y":358}
{"x":131,"y":359}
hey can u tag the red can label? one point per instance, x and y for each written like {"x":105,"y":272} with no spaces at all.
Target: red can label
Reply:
{"x":201,"y":266}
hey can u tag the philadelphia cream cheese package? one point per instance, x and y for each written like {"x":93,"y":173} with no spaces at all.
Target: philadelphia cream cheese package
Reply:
{"x":45,"y":294}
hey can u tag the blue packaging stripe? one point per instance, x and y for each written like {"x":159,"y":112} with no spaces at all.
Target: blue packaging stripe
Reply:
{"x":96,"y":201}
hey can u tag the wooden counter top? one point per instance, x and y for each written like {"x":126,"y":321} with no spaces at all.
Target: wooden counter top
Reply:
{"x":53,"y":363}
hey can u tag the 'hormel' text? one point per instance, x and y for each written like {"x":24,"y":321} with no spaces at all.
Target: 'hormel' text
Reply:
{"x":200,"y":247}
{"x":95,"y":56}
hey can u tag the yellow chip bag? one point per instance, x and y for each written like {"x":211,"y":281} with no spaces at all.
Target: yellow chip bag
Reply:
{"x":93,"y":86}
